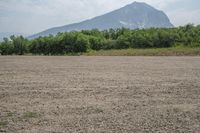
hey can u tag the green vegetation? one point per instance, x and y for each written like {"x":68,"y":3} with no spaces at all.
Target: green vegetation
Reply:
{"x":30,"y":115}
{"x":10,"y":114}
{"x":3,"y":124}
{"x":154,"y":41}
{"x":172,"y":51}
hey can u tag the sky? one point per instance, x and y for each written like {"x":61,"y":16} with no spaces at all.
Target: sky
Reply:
{"x":33,"y":16}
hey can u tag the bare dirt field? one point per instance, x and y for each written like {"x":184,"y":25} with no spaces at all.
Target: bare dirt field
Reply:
{"x":99,"y":94}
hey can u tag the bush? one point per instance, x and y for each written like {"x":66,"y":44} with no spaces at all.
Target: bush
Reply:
{"x":96,"y":43}
{"x":81,"y":43}
{"x":6,"y":47}
{"x":20,"y":44}
{"x":122,"y":42}
{"x":109,"y":44}
{"x":77,"y":42}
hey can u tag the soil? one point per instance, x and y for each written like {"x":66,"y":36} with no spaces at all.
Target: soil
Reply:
{"x":61,"y":94}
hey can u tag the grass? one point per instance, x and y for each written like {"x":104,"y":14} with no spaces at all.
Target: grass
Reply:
{"x":10,"y":114}
{"x":30,"y":115}
{"x":172,"y":51}
{"x":178,"y":50}
{"x":3,"y":124}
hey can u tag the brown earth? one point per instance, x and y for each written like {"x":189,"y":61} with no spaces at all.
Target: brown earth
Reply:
{"x":99,"y":94}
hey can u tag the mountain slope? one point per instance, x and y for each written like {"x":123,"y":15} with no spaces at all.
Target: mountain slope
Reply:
{"x":8,"y":34}
{"x":133,"y":16}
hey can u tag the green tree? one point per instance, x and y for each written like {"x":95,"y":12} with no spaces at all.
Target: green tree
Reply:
{"x":96,"y":43}
{"x":122,"y":42}
{"x":6,"y":47}
{"x":81,"y":44}
{"x":20,"y":44}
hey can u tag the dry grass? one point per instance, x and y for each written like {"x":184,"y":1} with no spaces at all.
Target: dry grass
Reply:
{"x":173,"y":51}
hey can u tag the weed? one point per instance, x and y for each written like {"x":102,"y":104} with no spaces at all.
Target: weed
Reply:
{"x":30,"y":115}
{"x":3,"y":124}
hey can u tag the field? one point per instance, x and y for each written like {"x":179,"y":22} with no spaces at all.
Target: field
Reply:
{"x":173,"y":51}
{"x":99,"y":94}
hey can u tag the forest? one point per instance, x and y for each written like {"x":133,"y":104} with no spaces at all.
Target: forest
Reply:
{"x":87,"y":40}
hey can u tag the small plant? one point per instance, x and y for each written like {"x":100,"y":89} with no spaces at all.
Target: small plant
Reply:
{"x":30,"y":115}
{"x":3,"y":124}
{"x":10,"y":114}
{"x":98,"y":110}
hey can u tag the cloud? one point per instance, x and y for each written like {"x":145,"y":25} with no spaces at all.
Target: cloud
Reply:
{"x":185,"y":17}
{"x":31,"y":16}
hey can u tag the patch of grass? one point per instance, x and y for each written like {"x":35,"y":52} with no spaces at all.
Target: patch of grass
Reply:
{"x":172,"y":51}
{"x":98,"y":110}
{"x":30,"y":115}
{"x":3,"y":124}
{"x":10,"y":114}
{"x":93,"y":110}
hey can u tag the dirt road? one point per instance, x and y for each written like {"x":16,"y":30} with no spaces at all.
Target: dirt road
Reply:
{"x":99,"y":94}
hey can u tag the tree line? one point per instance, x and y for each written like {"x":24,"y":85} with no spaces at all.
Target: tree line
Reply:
{"x":86,"y":40}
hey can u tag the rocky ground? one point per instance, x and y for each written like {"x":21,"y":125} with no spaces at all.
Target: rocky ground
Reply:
{"x":99,"y":94}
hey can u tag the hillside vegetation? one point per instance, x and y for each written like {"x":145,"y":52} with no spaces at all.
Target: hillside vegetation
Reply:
{"x":90,"y":41}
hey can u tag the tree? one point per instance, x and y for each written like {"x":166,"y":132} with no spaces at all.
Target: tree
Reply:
{"x":81,"y":44}
{"x":122,"y":42}
{"x":75,"y":42}
{"x":96,"y":43}
{"x":20,"y":44}
{"x":6,"y":47}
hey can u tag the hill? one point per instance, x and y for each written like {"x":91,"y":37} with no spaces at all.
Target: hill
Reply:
{"x":134,"y":16}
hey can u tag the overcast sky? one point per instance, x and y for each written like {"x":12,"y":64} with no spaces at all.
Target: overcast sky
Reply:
{"x":32,"y":16}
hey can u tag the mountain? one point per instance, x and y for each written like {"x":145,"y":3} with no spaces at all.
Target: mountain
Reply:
{"x":8,"y":34}
{"x":133,"y":16}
